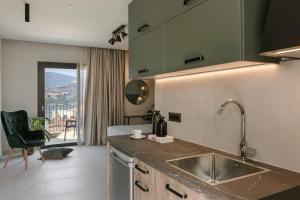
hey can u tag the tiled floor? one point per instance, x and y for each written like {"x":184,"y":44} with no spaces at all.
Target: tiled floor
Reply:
{"x":80,"y":176}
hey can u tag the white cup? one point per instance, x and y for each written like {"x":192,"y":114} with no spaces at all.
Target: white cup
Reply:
{"x":137,"y":133}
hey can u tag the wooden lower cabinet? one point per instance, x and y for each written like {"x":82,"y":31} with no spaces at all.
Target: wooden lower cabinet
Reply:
{"x":150,"y":184}
{"x":144,"y":171}
{"x":144,"y":176}
{"x":169,"y":189}
{"x":143,"y":190}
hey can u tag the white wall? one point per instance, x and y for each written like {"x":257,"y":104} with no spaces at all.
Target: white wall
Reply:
{"x":270,"y":94}
{"x":19,"y":76}
{"x":19,"y":72}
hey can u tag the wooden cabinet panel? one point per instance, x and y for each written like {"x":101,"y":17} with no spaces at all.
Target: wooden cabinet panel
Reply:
{"x":174,"y":8}
{"x":203,"y":36}
{"x":143,"y":190}
{"x":144,"y":184}
{"x":144,"y":171}
{"x":169,"y":189}
{"x":109,"y":171}
{"x":144,"y":15}
{"x":146,"y":55}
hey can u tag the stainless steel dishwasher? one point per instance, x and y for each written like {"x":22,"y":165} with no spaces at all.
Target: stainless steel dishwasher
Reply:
{"x":122,"y":175}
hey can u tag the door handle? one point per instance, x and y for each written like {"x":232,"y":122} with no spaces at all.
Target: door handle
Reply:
{"x":143,"y":28}
{"x":143,"y":71}
{"x":141,"y":187}
{"x":196,"y":59}
{"x":119,"y":160}
{"x":141,"y":170}
{"x":186,"y":2}
{"x":182,"y":196}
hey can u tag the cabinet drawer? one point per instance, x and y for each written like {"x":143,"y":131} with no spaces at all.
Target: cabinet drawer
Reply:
{"x":146,"y":54}
{"x":144,"y":171}
{"x":200,"y":37}
{"x":170,"y":189}
{"x":144,"y":15}
{"x":177,"y":7}
{"x":143,"y":190}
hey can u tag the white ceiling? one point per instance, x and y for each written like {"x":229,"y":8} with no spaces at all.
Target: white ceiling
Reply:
{"x":88,"y":23}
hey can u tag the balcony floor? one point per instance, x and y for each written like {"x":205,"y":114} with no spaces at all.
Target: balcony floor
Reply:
{"x":59,"y":137}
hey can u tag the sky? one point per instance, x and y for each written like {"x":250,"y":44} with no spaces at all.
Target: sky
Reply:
{"x":69,"y":72}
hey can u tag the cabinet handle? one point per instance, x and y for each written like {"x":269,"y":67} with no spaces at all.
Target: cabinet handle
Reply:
{"x":141,"y":187}
{"x":186,"y":2}
{"x":141,"y":170}
{"x":143,"y":71}
{"x":182,"y":196}
{"x":197,"y":59}
{"x":143,"y":27}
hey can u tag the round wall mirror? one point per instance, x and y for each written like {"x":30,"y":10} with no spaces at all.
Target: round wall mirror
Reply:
{"x":137,"y":92}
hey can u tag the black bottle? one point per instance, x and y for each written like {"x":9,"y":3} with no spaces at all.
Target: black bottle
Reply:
{"x":155,"y":119}
{"x":161,"y":127}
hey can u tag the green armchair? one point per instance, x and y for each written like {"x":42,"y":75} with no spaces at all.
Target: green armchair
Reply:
{"x":18,"y":134}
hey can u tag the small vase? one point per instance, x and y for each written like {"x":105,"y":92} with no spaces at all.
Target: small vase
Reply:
{"x":162,"y":127}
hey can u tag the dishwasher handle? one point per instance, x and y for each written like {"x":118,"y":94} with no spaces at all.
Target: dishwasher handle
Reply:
{"x":119,"y":159}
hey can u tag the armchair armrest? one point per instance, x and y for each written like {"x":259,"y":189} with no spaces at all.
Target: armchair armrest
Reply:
{"x":22,"y":139}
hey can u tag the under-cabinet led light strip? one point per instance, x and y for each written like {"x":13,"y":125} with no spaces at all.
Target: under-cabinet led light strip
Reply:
{"x":287,"y":51}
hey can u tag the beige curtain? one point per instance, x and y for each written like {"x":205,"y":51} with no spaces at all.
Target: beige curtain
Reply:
{"x":82,"y":55}
{"x":104,"y":95}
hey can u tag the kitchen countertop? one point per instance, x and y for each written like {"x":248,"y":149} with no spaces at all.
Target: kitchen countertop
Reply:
{"x":252,"y":187}
{"x":125,"y":130}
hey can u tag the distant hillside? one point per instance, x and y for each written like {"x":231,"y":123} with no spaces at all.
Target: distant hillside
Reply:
{"x":54,"y":80}
{"x":64,"y":95}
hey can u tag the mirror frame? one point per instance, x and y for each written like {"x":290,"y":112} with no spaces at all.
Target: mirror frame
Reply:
{"x":143,"y":93}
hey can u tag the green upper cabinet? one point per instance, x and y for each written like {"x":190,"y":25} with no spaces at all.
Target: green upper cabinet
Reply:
{"x":174,"y":8}
{"x":144,"y":15}
{"x":146,"y":55}
{"x":192,"y":36}
{"x":208,"y":34}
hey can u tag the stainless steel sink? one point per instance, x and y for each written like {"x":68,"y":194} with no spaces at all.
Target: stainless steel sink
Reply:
{"x":215,"y":169}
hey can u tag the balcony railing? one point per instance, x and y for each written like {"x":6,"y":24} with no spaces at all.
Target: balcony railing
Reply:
{"x":58,"y":114}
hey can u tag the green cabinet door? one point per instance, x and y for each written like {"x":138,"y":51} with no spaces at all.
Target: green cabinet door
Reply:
{"x":208,"y":34}
{"x":144,"y":15}
{"x":177,"y":7}
{"x":146,"y":54}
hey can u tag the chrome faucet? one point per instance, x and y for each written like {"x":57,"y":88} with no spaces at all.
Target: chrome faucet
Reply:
{"x":244,"y":150}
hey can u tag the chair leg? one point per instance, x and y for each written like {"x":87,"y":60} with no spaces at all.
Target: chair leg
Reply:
{"x":8,"y":158}
{"x":41,"y":154}
{"x":74,"y":133}
{"x":65,"y":134}
{"x":26,"y":158}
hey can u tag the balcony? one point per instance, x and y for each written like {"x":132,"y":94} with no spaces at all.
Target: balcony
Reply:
{"x":61,"y":123}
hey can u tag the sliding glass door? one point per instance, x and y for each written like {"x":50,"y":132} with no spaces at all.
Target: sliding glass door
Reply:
{"x":58,"y":101}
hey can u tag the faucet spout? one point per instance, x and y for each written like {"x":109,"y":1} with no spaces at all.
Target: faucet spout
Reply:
{"x":243,"y":144}
{"x":231,"y":101}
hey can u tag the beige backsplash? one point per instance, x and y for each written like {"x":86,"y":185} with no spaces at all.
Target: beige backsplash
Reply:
{"x":270,"y":94}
